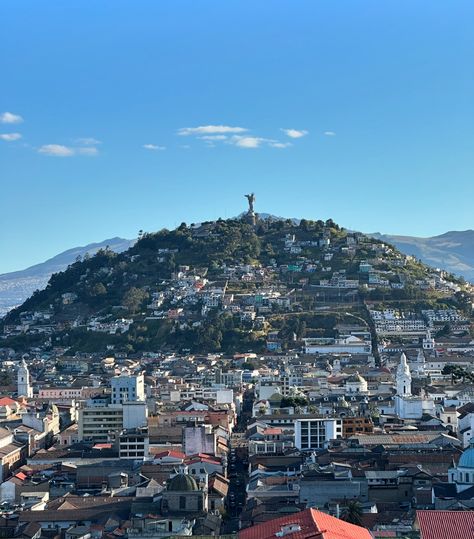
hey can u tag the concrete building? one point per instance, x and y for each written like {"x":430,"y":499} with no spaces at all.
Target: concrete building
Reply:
{"x":346,"y":344}
{"x":100,"y":423}
{"x":315,"y":433}
{"x":127,"y":388}
{"x":220,"y":396}
{"x":323,"y":485}
{"x":134,"y":444}
{"x":12,"y":453}
{"x":97,"y":423}
{"x":200,"y":439}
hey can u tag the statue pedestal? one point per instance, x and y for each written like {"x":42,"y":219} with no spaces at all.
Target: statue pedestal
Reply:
{"x":251,"y":218}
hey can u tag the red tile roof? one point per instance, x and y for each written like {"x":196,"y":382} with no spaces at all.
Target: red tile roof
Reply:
{"x":6,"y":401}
{"x":312,"y":524}
{"x":170,"y":453}
{"x":273,"y":430}
{"x":445,"y":524}
{"x":102,"y":446}
{"x":204,"y":456}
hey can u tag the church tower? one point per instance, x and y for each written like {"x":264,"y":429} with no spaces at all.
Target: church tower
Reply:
{"x":428,"y":342}
{"x":403,"y":377}
{"x":23,"y":381}
{"x":420,"y":362}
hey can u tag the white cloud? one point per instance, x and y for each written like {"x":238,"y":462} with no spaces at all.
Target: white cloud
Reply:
{"x":276,"y":144}
{"x":295,"y":133}
{"x":248,"y":142}
{"x":57,"y":150}
{"x":88,"y":150}
{"x":213,"y":137}
{"x":154,"y":147}
{"x":10,"y":118}
{"x":329,"y":133}
{"x":88,"y":141}
{"x":210,"y":130}
{"x":9,"y":137}
{"x":257,"y":142}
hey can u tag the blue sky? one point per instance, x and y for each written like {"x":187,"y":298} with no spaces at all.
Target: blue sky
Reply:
{"x":379,"y":98}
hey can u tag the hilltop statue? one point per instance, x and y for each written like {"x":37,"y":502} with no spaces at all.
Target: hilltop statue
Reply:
{"x":251,"y":199}
{"x":250,"y":216}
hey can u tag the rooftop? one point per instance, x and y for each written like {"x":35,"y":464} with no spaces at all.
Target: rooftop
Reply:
{"x":308,"y":524}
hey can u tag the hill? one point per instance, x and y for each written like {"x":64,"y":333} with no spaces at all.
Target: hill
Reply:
{"x":17,"y":286}
{"x":222,"y":286}
{"x":452,"y":251}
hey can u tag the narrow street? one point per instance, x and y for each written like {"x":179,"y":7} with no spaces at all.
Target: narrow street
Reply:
{"x":237,"y":469}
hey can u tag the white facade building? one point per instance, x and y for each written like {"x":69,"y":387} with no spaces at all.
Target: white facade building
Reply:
{"x":346,"y":344}
{"x":429,"y":342}
{"x":135,"y":415}
{"x":127,"y":388}
{"x":408,"y":406}
{"x":315,"y":433}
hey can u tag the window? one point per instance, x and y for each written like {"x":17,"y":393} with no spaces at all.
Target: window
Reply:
{"x":182,"y":502}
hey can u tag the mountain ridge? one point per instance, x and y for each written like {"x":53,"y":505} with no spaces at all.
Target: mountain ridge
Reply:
{"x":452,"y":250}
{"x":17,"y":286}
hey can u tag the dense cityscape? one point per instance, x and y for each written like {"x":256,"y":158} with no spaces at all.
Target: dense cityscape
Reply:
{"x":248,"y":378}
{"x":236,"y":269}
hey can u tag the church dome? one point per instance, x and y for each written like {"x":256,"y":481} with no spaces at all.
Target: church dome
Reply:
{"x":183,"y":483}
{"x":344,"y":403}
{"x":356,"y":378}
{"x":467,"y":458}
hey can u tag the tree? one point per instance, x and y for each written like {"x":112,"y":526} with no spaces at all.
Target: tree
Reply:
{"x":293,"y":401}
{"x":352,"y":513}
{"x":248,"y":366}
{"x":445,"y":331}
{"x":98,"y":290}
{"x":133,"y":298}
{"x":6,"y":378}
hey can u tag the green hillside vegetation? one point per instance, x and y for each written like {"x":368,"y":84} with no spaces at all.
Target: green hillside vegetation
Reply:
{"x":111,"y":286}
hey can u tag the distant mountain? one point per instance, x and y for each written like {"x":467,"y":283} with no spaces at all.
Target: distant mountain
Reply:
{"x":452,"y":251}
{"x":17,"y":286}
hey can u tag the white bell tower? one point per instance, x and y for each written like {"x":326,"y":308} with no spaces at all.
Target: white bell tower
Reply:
{"x":403,"y":377}
{"x":428,"y":342}
{"x":23,"y":381}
